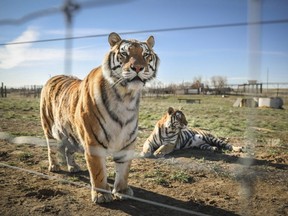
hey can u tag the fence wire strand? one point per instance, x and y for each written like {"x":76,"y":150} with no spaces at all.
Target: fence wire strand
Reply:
{"x":104,"y":191}
{"x":59,"y":9}
{"x":185,"y":28}
{"x":68,"y":60}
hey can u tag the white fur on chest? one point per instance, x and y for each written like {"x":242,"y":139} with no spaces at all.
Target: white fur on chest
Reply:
{"x":122,"y":131}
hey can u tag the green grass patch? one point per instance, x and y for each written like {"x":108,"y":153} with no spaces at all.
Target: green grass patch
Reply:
{"x":165,"y":178}
{"x":25,"y":156}
{"x":218,"y":116}
{"x":215,"y":114}
{"x":182,"y":177}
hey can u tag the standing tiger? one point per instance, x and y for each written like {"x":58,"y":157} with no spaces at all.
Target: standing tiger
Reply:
{"x":99,"y":115}
{"x":171,"y":133}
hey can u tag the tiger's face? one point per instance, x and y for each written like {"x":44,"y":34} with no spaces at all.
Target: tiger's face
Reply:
{"x":175,"y":120}
{"x":130,"y":63}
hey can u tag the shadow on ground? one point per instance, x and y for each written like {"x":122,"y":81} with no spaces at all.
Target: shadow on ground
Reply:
{"x":218,"y":156}
{"x":133,"y":207}
{"x":150,"y":203}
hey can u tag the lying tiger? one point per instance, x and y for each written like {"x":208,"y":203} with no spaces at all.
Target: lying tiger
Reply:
{"x":171,"y":133}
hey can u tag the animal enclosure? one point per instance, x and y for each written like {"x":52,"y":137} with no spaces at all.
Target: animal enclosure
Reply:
{"x":208,"y":183}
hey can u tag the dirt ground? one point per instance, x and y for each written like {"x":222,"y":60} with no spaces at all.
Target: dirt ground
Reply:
{"x":189,"y":182}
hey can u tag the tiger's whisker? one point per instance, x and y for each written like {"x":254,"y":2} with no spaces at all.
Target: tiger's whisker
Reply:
{"x":117,"y":82}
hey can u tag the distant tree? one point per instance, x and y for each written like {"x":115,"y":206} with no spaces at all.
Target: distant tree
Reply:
{"x":197,"y":82}
{"x":186,"y":84}
{"x":207,"y":84}
{"x":171,"y":88}
{"x":219,"y":81}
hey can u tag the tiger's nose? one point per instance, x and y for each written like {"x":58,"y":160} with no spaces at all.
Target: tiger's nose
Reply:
{"x":136,"y":68}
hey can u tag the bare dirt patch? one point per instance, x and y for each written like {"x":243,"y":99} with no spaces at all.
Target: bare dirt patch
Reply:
{"x":196,"y":181}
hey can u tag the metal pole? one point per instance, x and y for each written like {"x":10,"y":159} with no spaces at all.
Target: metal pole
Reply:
{"x":267,"y":80}
{"x":2,"y":89}
{"x":68,"y":9}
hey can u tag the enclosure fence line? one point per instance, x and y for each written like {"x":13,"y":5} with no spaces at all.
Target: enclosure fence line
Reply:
{"x":185,"y":28}
{"x":104,"y":191}
{"x":3,"y":90}
{"x":68,"y":9}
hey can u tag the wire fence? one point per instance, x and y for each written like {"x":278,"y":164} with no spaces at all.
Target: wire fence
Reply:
{"x":185,"y":28}
{"x":68,"y":9}
{"x":61,"y":180}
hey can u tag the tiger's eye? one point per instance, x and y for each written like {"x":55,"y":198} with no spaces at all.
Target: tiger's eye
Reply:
{"x":146,"y":55}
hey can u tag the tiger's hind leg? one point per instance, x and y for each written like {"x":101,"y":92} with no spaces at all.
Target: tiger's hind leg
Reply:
{"x":213,"y":143}
{"x":71,"y":164}
{"x":238,"y":149}
{"x":67,"y":152}
{"x":208,"y":147}
{"x":201,"y":142}
{"x":52,"y":156}
{"x":222,"y":143}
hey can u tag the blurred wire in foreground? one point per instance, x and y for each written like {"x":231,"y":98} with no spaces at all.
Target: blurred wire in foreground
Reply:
{"x":68,"y":9}
{"x":54,"y":10}
{"x":227,"y":25}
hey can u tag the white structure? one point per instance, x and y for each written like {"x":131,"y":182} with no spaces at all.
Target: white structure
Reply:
{"x":276,"y":102}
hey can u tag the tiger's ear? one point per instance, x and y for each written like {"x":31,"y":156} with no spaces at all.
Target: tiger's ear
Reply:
{"x":170,"y":110}
{"x":113,"y":39}
{"x":150,"y":41}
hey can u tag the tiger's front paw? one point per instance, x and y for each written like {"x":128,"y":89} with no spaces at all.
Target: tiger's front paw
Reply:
{"x":74,"y":168}
{"x":98,"y":197}
{"x":158,"y":154}
{"x":123,"y":194}
{"x":145,"y":154}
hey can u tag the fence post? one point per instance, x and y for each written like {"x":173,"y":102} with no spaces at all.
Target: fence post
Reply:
{"x":34,"y":90}
{"x":2,"y":89}
{"x":5,"y":91}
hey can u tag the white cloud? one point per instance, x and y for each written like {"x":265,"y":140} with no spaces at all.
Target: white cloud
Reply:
{"x":13,"y":55}
{"x":85,"y":32}
{"x":77,"y":32}
{"x":48,"y":56}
